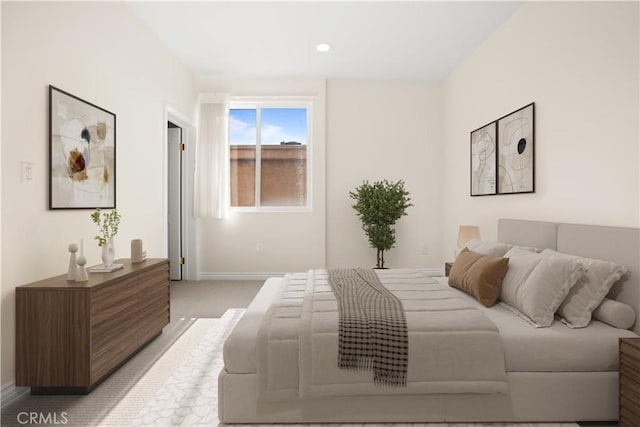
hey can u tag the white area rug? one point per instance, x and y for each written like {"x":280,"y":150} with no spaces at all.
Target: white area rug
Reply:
{"x":181,"y":389}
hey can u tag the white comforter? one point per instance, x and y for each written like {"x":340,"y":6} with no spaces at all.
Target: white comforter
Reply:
{"x":453,"y":346}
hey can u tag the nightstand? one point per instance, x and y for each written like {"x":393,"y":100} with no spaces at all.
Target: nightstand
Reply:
{"x":447,"y":268}
{"x":629,"y":379}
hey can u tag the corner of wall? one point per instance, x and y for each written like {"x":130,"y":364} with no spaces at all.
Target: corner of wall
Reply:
{"x":578,"y":61}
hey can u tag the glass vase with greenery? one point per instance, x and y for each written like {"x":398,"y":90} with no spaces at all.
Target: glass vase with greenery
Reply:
{"x":108,"y":224}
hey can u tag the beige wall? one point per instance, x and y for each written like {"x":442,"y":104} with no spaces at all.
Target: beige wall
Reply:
{"x":100,"y":52}
{"x":579,"y":62}
{"x":261,"y":243}
{"x":375,"y":130}
{"x":384,"y":130}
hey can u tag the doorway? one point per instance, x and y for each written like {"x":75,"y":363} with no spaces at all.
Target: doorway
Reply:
{"x":175,"y":199}
{"x":180,"y":232}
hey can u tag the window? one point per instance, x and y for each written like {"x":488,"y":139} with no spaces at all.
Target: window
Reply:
{"x":269,"y":155}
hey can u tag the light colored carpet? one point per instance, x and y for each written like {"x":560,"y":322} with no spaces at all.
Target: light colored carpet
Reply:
{"x":210,"y":298}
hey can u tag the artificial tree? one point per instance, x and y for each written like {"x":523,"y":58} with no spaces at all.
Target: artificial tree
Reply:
{"x":379,"y":206}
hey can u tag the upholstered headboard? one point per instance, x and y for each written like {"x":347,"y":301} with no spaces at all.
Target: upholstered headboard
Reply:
{"x":617,"y":244}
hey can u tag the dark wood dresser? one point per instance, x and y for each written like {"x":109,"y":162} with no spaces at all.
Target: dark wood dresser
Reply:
{"x":629,"y":411}
{"x":71,"y":335}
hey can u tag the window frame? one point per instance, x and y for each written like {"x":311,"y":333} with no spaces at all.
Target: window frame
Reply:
{"x":258,"y":103}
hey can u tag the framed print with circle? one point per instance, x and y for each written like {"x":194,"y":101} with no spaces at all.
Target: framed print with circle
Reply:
{"x":82,"y":153}
{"x":516,"y":162}
{"x":483,"y":160}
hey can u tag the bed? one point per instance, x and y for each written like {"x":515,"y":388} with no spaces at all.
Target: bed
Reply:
{"x":553,"y":373}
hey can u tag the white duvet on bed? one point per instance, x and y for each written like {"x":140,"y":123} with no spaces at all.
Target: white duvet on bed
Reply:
{"x":554,"y":349}
{"x":453,"y":346}
{"x":557,"y":348}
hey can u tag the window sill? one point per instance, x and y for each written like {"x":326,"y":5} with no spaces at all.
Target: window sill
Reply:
{"x":274,"y":209}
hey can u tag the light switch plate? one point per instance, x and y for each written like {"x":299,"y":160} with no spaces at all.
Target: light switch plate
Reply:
{"x":27,"y":171}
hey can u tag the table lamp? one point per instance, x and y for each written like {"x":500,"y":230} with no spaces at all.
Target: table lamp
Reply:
{"x":466,"y":233}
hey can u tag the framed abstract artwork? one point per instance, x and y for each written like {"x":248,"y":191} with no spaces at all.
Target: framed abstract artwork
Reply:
{"x":516,"y":163}
{"x":483,"y":160}
{"x":82,"y":153}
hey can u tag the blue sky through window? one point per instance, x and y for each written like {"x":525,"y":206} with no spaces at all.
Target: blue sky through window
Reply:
{"x":278,"y":124}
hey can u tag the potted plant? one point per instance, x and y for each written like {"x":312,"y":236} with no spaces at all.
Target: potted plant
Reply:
{"x":108,"y":224}
{"x":379,"y":206}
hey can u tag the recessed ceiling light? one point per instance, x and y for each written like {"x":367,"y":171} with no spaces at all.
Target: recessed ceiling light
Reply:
{"x":323,"y":47}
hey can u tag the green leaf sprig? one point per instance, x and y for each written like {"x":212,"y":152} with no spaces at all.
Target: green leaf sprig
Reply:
{"x":108,"y":224}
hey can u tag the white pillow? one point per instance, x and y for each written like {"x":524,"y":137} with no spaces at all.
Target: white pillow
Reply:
{"x":521,"y":264}
{"x":615,"y":313}
{"x":536,"y":283}
{"x":589,"y":291}
{"x":496,"y":249}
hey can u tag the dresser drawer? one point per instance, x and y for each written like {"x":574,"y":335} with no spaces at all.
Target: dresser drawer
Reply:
{"x":113,"y":295}
{"x":154,"y":277}
{"x":152,"y":296}
{"x":111,"y":355}
{"x":113,"y":331}
{"x":115,"y":312}
{"x":629,"y":380}
{"x":630,"y":356}
{"x":153,"y":325}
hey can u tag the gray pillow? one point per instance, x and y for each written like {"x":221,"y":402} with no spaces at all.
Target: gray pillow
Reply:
{"x":615,"y":313}
{"x":495,"y":249}
{"x":589,"y":291}
{"x":536,"y":283}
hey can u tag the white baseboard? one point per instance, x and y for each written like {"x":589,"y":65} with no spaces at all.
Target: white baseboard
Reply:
{"x":238,"y":276}
{"x":430,"y":271}
{"x":10,"y":392}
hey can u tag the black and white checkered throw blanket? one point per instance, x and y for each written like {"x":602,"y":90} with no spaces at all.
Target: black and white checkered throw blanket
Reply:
{"x":372,"y":326}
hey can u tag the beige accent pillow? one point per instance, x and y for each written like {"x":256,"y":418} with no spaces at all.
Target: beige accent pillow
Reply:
{"x":536,"y":283}
{"x":589,"y":291}
{"x":478,"y":275}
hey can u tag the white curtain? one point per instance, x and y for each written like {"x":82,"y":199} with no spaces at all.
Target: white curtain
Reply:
{"x":212,"y":157}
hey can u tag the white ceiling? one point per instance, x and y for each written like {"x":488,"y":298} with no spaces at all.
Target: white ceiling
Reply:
{"x":419,"y":40}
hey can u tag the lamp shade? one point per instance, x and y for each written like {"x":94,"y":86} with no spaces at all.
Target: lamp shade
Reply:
{"x":466,"y":233}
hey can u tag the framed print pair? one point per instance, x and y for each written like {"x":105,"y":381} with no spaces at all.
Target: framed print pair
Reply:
{"x":502,"y":155}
